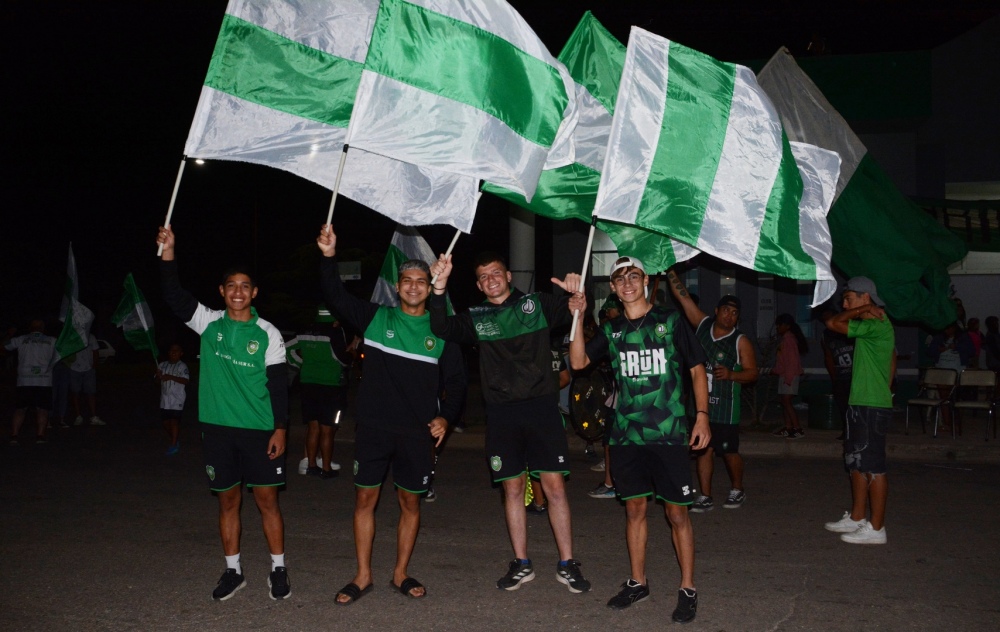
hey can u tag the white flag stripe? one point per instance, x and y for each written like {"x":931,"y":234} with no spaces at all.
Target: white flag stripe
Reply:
{"x":748,"y":166}
{"x":820,"y":169}
{"x":342,"y":28}
{"x":593,"y":127}
{"x":464,"y":140}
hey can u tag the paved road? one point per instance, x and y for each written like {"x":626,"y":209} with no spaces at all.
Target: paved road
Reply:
{"x":98,"y":531}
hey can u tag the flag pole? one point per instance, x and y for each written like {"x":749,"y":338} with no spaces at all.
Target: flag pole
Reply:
{"x":583,"y":274}
{"x":173,"y":199}
{"x":458,"y":233}
{"x":336,"y":184}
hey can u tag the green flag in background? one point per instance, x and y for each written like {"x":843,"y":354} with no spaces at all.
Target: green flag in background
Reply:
{"x":877,"y":232}
{"x":135,"y":319}
{"x":595,"y":60}
{"x":76,"y":318}
{"x":406,"y":244}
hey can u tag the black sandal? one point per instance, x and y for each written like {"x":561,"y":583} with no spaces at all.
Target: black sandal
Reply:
{"x":409,"y":584}
{"x":353,"y":593}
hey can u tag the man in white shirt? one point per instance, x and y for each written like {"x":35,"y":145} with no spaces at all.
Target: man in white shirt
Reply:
{"x":34,"y":378}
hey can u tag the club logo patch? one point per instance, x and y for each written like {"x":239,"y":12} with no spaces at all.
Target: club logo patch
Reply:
{"x":210,"y":471}
{"x":355,"y":468}
{"x":430,"y":343}
{"x":719,"y":356}
{"x":661,"y":330}
{"x":495,"y":463}
{"x":528,"y":307}
{"x":252,"y":347}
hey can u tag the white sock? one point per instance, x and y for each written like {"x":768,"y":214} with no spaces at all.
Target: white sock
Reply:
{"x":233,"y":561}
{"x":277,"y":560}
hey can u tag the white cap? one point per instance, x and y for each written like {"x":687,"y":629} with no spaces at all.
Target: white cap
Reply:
{"x":626,"y":262}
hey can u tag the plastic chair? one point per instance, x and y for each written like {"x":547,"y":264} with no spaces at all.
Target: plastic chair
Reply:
{"x":929,"y":395}
{"x":983,"y":383}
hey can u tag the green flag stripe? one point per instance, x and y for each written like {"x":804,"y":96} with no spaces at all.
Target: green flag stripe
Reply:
{"x":780,"y":246}
{"x":446,"y":57}
{"x":595,"y":58}
{"x":254,"y":64}
{"x":691,"y":138}
{"x":565,"y":193}
{"x":390,"y":266}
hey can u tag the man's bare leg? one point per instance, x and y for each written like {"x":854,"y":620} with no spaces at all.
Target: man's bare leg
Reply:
{"x":706,"y":467}
{"x":635,"y":537}
{"x":229,"y":519}
{"x":683,"y":537}
{"x":365,"y":500}
{"x":406,"y":537}
{"x":515,"y":515}
{"x":734,"y":466}
{"x":271,"y":519}
{"x":559,"y":515}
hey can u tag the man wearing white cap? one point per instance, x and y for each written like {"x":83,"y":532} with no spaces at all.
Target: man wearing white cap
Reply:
{"x":649,"y":346}
{"x":868,"y":412}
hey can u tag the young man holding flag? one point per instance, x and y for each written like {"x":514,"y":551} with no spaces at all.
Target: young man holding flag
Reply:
{"x":649,"y":346}
{"x":243,"y":409}
{"x":524,"y":429}
{"x":399,"y":413}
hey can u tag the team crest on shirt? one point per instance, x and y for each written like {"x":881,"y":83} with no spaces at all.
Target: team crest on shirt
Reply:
{"x":252,"y":347}
{"x":528,"y":307}
{"x":661,"y":330}
{"x":355,"y":468}
{"x":210,"y":471}
{"x":496,"y":463}
{"x":430,"y":343}
{"x":720,"y":356}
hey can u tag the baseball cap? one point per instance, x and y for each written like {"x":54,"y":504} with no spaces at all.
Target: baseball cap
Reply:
{"x":864,"y":285}
{"x":729,"y":299}
{"x":323,"y":315}
{"x":626,"y":262}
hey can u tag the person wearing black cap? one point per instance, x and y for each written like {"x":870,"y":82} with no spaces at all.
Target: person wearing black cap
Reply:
{"x":731,"y":363}
{"x":868,"y":412}
{"x":649,"y":348}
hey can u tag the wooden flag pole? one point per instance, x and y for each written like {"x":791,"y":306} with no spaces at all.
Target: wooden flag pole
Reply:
{"x":173,"y":199}
{"x":336,"y":184}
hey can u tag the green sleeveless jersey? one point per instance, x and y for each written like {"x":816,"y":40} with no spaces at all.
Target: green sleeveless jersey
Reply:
{"x":723,"y":395}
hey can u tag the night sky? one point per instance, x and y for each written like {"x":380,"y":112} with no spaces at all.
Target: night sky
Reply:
{"x":99,"y":98}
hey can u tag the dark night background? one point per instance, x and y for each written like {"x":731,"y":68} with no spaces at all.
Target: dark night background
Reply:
{"x":99,"y":96}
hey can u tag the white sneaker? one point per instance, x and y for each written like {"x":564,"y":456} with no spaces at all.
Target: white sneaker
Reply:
{"x":597,"y":467}
{"x":845,"y":524}
{"x":334,"y":466}
{"x":865,"y":534}
{"x":303,"y":466}
{"x":79,"y":421}
{"x":97,"y":421}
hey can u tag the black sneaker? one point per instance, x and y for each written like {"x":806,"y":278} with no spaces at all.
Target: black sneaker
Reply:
{"x":281,"y":588}
{"x":328,"y":474}
{"x":536,"y":509}
{"x":570,"y":575}
{"x":687,"y":606}
{"x":314,"y":471}
{"x":796,"y":433}
{"x":702,"y":504}
{"x":229,"y":583}
{"x":519,"y":572}
{"x":631,"y":592}
{"x":782,"y":432}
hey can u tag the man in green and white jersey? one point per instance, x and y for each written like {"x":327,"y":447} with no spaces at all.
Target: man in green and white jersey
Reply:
{"x":731,"y":363}
{"x":524,"y":429}
{"x":649,"y":347}
{"x":399,"y":413}
{"x":242,"y":406}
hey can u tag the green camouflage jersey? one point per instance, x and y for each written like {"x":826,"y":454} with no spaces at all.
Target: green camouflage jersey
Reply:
{"x":723,"y":395}
{"x":647,"y":357}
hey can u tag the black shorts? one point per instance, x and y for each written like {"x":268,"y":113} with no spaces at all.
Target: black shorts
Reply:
{"x":322,"y":403}
{"x":528,"y":436}
{"x":725,"y":438}
{"x":238,"y":455}
{"x":641,"y":470}
{"x":166,"y":414}
{"x":33,"y":397}
{"x":864,"y":439}
{"x":410,"y":456}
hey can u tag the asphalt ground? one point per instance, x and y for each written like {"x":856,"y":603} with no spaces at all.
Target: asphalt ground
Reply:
{"x":100,"y":531}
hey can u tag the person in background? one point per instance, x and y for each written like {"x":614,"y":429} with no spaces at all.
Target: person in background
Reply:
{"x":838,"y":357}
{"x":951,"y":348}
{"x":83,"y":379}
{"x":991,"y":343}
{"x":792,"y":344}
{"x":173,"y":375}
{"x":35,"y":351}
{"x":977,"y":342}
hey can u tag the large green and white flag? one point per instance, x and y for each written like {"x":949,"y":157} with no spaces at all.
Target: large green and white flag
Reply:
{"x":280,"y":91}
{"x":594,"y":58}
{"x":697,"y":152}
{"x":76,"y":317}
{"x":406,"y":244}
{"x":877,"y":231}
{"x":464,"y":86}
{"x":135,"y":318}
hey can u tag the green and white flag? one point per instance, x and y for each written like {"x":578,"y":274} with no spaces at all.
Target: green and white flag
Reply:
{"x":76,"y":317}
{"x":464,"y":86}
{"x":877,"y":231}
{"x":697,"y":152}
{"x":280,"y":91}
{"x":135,"y":318}
{"x":406,"y":244}
{"x":594,"y":58}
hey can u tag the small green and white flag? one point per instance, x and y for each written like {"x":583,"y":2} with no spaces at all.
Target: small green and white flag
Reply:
{"x":280,"y":91}
{"x":697,"y":152}
{"x":76,"y":317}
{"x":877,"y":231}
{"x":135,"y":318}
{"x":595,"y":59}
{"x":406,"y":244}
{"x":464,"y":86}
